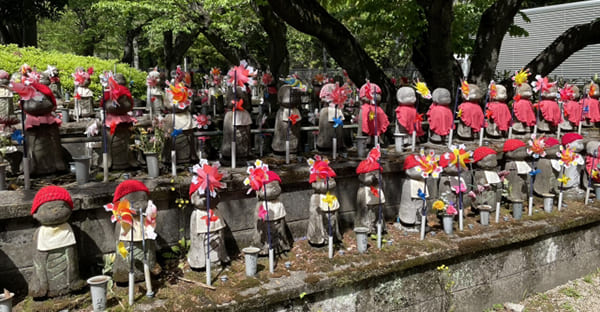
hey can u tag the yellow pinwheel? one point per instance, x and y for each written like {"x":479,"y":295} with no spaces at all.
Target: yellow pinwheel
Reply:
{"x":422,"y":89}
{"x":520,"y":77}
{"x":122,"y":250}
{"x":564,"y":180}
{"x":330,"y":199}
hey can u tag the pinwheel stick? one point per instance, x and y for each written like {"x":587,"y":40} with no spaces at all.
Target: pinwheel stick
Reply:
{"x":234,"y":139}
{"x":460,"y":198}
{"x":287,"y":135}
{"x":149,"y":102}
{"x":269,"y":240}
{"x":589,"y":184}
{"x":173,"y":141}
{"x":104,"y":139}
{"x":424,"y":211}
{"x":131,"y":268}
{"x":561,"y":108}
{"x":335,"y":126}
{"x":532,"y":180}
{"x":380,"y":212}
{"x":454,"y":117}
{"x":376,"y":139}
{"x":582,"y":112}
{"x":329,"y":221}
{"x":560,"y":194}
{"x":537,"y":114}
{"x":149,"y":292}
{"x":208,"y":272}
{"x":26,"y":170}
{"x":485,"y":106}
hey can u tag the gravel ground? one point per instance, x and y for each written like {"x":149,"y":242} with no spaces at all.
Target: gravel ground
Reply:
{"x":580,"y":295}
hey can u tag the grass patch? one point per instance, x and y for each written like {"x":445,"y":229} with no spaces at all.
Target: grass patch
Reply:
{"x":570,"y":292}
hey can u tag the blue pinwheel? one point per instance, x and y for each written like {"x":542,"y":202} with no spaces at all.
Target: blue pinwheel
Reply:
{"x":421,"y":194}
{"x":17,"y":136}
{"x":176,"y":132}
{"x":337,"y":122}
{"x":533,"y":173}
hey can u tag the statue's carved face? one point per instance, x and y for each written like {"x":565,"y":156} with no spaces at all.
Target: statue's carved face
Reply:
{"x":487,"y":162}
{"x":322,"y":186}
{"x":441,"y":96}
{"x":53,"y":213}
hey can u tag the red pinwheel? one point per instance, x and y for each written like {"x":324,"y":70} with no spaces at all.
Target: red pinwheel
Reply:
{"x":238,"y":105}
{"x":211,"y":218}
{"x":257,"y":176}
{"x":77,"y":96}
{"x":566,"y":93}
{"x":319,"y":169}
{"x":207,"y":175}
{"x":240,"y":74}
{"x":542,"y":84}
{"x":294,"y":118}
{"x":374,"y":191}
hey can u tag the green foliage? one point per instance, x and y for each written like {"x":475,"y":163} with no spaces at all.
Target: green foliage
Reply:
{"x":180,"y":250}
{"x":571,"y":292}
{"x":12,"y":57}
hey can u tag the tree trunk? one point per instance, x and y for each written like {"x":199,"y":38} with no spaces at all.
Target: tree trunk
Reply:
{"x":432,"y":54}
{"x":309,"y":17}
{"x":278,"y":56}
{"x":569,"y":42}
{"x":128,"y":50}
{"x":494,"y":24}
{"x":176,"y":46}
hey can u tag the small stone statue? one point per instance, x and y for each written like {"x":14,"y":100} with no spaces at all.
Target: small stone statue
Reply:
{"x":550,"y":114}
{"x":83,"y":94}
{"x":287,"y":126}
{"x":200,"y":222}
{"x":54,"y":83}
{"x":573,"y":141}
{"x":449,"y":183}
{"x":591,"y":105}
{"x":370,"y":193}
{"x":592,"y":161}
{"x":572,"y":108}
{"x":515,"y":152}
{"x":323,"y":206}
{"x":179,"y":100}
{"x":499,"y":119}
{"x":43,"y":137}
{"x":55,"y":261}
{"x":136,"y":193}
{"x":373,"y":120}
{"x":6,"y":96}
{"x":408,"y":119}
{"x":157,"y":96}
{"x":545,"y":181}
{"x":440,"y":116}
{"x":268,"y":198}
{"x":470,"y":114}
{"x":238,"y":101}
{"x":331,"y":116}
{"x":523,"y":110}
{"x":119,"y":103}
{"x":488,"y":187}
{"x":411,"y":203}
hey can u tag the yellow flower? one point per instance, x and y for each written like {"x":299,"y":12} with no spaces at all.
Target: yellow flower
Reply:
{"x":438,"y":205}
{"x":459,"y":113}
{"x":521,"y":76}
{"x":172,"y":189}
{"x":422,"y":89}
{"x":122,"y":250}
{"x":442,"y":267}
{"x":564,"y":180}
{"x":329,"y":199}
{"x":371,"y":115}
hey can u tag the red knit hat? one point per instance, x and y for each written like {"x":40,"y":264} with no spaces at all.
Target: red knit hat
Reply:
{"x":570,"y":137}
{"x":194,"y":187}
{"x":550,"y":141}
{"x":446,"y":159}
{"x":272,"y":177}
{"x":129,"y":186}
{"x":50,"y":193}
{"x":512,"y":144}
{"x":410,"y":162}
{"x":481,"y":152}
{"x":371,"y":163}
{"x":320,"y":170}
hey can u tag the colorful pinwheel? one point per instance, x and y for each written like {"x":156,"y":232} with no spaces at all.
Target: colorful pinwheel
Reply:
{"x":257,"y":176}
{"x":207,"y":175}
{"x":461,"y":156}
{"x":422,"y":89}
{"x":428,"y":164}
{"x":568,"y":157}
{"x":537,"y":146}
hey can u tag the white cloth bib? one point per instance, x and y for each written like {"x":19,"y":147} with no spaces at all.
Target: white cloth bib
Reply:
{"x":415,"y":185}
{"x":325,"y":206}
{"x":286,"y":113}
{"x":276,"y":209}
{"x":331,"y":113}
{"x":492,"y":177}
{"x":522,"y":167}
{"x":372,"y":199}
{"x":137,"y":232}
{"x":54,"y":237}
{"x":201,"y":223}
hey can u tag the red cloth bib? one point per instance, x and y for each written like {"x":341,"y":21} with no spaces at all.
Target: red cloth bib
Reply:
{"x":368,"y":124}
{"x":551,"y":112}
{"x":573,"y":112}
{"x":407,"y":118}
{"x":440,"y":119}
{"x":500,"y":115}
{"x":524,"y":112}
{"x":472,"y":115}
{"x":48,"y":119}
{"x":594,"y":111}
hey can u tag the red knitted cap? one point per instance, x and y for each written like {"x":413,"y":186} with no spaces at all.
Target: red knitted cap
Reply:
{"x":371,"y":163}
{"x":194,"y":187}
{"x":512,"y":144}
{"x":570,"y":137}
{"x":550,"y":141}
{"x":446,"y":159}
{"x":272,"y":177}
{"x":410,"y":162}
{"x":481,"y":152}
{"x":129,"y":186}
{"x":50,"y":193}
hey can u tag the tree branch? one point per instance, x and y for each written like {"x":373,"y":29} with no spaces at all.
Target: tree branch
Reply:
{"x":569,"y":42}
{"x":277,"y":52}
{"x":494,"y":24}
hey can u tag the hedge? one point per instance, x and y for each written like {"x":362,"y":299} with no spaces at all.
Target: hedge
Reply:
{"x":12,"y":57}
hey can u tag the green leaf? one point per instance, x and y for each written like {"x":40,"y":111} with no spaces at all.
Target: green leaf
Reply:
{"x":302,"y":295}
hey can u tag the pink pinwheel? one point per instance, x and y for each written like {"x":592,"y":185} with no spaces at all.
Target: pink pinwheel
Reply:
{"x":459,"y":188}
{"x":151,"y":213}
{"x":242,"y":74}
{"x":257,"y":176}
{"x":339,"y":95}
{"x":202,"y":121}
{"x":79,"y":77}
{"x":542,"y":84}
{"x":206,"y":175}
{"x":25,"y":92}
{"x":319,"y":169}
{"x":267,"y":79}
{"x":568,"y":157}
{"x":566,"y":93}
{"x":537,"y":146}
